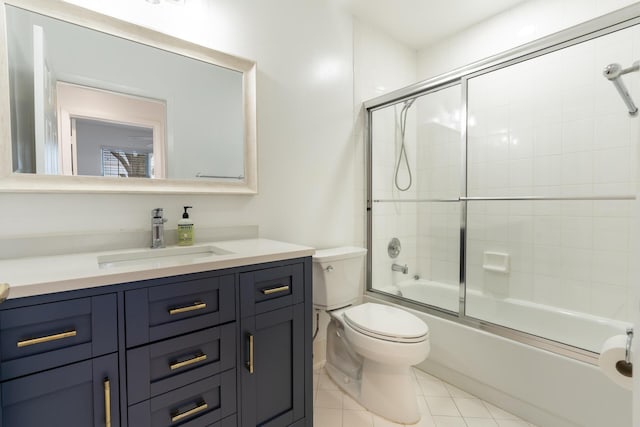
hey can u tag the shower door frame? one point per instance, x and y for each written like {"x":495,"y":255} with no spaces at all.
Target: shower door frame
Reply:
{"x":589,"y":30}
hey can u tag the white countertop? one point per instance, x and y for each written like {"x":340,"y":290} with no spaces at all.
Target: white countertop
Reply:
{"x":48,"y":274}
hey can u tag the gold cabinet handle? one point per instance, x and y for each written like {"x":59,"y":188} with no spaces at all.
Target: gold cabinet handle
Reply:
{"x":198,"y":358}
{"x":48,"y":338}
{"x":177,"y":416}
{"x":107,"y":403}
{"x":275,"y":290}
{"x":198,"y":305}
{"x":249,"y":364}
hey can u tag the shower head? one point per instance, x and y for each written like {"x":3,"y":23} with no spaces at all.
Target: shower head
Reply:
{"x":613,"y":73}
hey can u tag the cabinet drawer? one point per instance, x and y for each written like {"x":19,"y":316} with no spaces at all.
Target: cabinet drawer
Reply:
{"x":160,"y":312}
{"x":271,"y":288}
{"x":200,"y":404}
{"x":45,"y":336}
{"x":166,"y":365}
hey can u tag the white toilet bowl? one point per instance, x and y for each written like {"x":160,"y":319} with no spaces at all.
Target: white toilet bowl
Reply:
{"x":384,"y":342}
{"x":370,"y":347}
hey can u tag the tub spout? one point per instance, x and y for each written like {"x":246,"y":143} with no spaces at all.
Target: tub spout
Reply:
{"x":401,"y":268}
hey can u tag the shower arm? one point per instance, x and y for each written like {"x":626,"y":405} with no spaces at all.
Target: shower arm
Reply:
{"x":613,"y":73}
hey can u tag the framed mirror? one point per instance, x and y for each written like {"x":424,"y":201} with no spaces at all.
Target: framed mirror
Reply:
{"x":89,"y":103}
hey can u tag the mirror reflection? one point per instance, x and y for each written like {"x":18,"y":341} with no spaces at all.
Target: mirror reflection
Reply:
{"x":84,"y":102}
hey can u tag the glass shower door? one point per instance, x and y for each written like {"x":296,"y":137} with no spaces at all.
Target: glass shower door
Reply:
{"x":416,"y":160}
{"x":551,"y":183}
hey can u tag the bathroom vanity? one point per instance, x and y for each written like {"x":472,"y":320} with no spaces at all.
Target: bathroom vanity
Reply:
{"x":226,"y":341}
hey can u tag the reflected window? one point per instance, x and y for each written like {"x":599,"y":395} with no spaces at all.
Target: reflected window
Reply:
{"x":117,"y":162}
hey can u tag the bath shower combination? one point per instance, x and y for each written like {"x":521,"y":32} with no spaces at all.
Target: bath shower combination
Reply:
{"x":480,"y":191}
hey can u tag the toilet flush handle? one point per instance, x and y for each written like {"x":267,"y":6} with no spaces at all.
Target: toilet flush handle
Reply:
{"x":329,"y":269}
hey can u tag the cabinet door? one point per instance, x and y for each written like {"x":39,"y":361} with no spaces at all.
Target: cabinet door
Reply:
{"x":273,"y":380}
{"x":83,"y":394}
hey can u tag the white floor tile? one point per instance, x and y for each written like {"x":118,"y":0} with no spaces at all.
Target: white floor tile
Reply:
{"x":481,"y":422}
{"x":472,"y":408}
{"x":357,"y":419}
{"x":331,"y":399}
{"x":442,"y":406}
{"x":349,"y":403}
{"x":422,"y":406}
{"x":326,"y":383}
{"x":425,"y":421}
{"x":456,"y":392}
{"x":381,"y":422}
{"x":433,"y":388}
{"x":324,"y":417}
{"x":512,"y":423}
{"x":449,"y":421}
{"x":498,"y":413}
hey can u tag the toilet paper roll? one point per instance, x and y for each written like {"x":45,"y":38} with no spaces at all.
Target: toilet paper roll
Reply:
{"x":613,"y":351}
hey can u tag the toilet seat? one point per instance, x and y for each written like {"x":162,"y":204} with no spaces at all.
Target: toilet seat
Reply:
{"x":386,"y":323}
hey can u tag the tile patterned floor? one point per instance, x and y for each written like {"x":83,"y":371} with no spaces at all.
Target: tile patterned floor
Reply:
{"x":441,"y":405}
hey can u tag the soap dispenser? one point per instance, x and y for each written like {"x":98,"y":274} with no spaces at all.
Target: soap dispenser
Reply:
{"x":185,"y":229}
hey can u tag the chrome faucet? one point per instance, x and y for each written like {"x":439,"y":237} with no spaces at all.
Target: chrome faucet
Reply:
{"x":401,"y":268}
{"x":157,"y":228}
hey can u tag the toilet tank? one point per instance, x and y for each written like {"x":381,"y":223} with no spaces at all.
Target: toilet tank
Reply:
{"x":337,"y":275}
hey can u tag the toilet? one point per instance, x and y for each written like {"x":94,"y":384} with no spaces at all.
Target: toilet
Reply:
{"x":370,"y":347}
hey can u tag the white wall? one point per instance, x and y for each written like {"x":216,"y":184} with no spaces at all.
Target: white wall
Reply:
{"x":305,"y":119}
{"x":381,"y":65}
{"x":526,"y":22}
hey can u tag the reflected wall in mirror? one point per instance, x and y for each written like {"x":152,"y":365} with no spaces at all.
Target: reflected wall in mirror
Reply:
{"x":111,"y":99}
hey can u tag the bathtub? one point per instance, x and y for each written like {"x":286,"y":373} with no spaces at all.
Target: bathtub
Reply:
{"x":544,"y":388}
{"x":581,"y":330}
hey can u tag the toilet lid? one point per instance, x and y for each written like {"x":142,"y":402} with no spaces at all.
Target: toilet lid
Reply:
{"x":386,"y":322}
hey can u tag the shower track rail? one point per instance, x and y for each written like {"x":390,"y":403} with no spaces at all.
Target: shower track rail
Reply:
{"x":606,"y":24}
{"x":509,"y":199}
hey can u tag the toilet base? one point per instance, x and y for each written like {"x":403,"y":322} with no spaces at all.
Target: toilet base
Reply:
{"x":385,"y":390}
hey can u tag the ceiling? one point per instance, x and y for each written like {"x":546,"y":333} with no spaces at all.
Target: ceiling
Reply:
{"x":418,"y":23}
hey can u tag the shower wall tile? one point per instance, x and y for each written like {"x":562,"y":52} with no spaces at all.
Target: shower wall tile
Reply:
{"x":563,"y":136}
{"x":571,"y":249}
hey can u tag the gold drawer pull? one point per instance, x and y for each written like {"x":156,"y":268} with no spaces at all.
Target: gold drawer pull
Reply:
{"x":48,"y":338}
{"x":195,"y":306}
{"x":275,"y":290}
{"x":249,"y":364}
{"x":107,"y":403}
{"x":196,"y":359}
{"x":177,"y":416}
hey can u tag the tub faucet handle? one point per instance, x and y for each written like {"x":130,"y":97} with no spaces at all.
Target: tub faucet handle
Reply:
{"x":401,"y":268}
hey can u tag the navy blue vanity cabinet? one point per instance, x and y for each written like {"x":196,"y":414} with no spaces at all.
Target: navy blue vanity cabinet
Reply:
{"x":181,"y":351}
{"x":275,"y":363}
{"x":59,"y":363}
{"x":222,"y":348}
{"x":83,"y":394}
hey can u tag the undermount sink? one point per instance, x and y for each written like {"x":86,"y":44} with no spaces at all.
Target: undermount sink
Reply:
{"x":158,"y":257}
